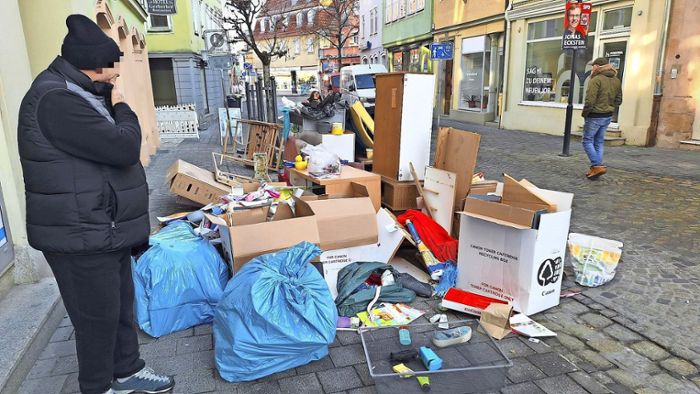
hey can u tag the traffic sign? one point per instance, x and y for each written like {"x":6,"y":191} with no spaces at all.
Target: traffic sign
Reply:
{"x":442,"y":51}
{"x":247,"y":66}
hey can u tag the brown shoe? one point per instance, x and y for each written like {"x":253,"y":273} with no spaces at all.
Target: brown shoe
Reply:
{"x":596,"y":171}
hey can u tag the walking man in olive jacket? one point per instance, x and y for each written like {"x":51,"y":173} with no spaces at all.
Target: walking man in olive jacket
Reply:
{"x":604,"y":94}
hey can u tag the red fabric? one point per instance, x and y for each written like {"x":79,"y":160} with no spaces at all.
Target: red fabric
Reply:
{"x":432,"y":234}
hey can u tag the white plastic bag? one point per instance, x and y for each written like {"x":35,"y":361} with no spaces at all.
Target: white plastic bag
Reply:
{"x":289,"y":103}
{"x":594,"y":259}
{"x":322,"y":163}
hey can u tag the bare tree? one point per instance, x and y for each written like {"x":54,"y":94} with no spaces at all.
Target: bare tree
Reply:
{"x":338,"y":22}
{"x":267,"y":46}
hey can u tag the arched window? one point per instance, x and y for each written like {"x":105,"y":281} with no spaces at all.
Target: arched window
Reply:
{"x":300,"y":19}
{"x":310,"y":17}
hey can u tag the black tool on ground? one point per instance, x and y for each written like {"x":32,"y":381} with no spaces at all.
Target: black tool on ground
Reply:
{"x":404,"y":355}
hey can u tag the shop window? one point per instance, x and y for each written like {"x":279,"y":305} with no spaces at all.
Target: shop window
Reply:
{"x":617,"y":19}
{"x":476,"y":58}
{"x":548,"y":68}
{"x":363,"y":28}
{"x":397,"y":61}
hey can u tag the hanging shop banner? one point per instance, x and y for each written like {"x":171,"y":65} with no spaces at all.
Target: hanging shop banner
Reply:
{"x":576,"y":21}
{"x":161,"y":7}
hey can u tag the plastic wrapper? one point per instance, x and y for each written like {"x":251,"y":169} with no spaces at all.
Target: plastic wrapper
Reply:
{"x":276,"y":313}
{"x":321,"y":161}
{"x":594,"y":259}
{"x":178,"y":281}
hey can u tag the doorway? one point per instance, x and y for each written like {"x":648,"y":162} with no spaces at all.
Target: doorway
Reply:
{"x":163,"y":81}
{"x":616,"y":52}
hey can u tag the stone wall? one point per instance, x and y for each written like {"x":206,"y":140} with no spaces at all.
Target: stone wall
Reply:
{"x":677,"y":116}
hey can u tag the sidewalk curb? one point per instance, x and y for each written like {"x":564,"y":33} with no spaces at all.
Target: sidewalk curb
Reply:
{"x":35,"y":338}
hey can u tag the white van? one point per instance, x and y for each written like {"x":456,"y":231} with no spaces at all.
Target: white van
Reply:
{"x":357,"y":83}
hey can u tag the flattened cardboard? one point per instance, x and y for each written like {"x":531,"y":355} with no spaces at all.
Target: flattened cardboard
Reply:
{"x":194,"y":183}
{"x":390,"y":237}
{"x":499,"y":213}
{"x":253,"y":236}
{"x":456,"y":151}
{"x":495,"y":319}
{"x":525,"y":195}
{"x":482,"y":188}
{"x":345,"y":221}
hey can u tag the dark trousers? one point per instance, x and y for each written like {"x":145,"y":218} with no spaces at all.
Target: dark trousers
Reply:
{"x":98,"y":293}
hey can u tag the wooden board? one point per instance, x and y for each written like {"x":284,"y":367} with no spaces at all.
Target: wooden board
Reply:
{"x":387,"y":129}
{"x":439,"y":193}
{"x":456,"y":151}
{"x":524,"y":194}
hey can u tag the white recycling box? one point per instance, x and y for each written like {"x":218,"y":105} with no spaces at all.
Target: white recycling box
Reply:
{"x":512,"y":261}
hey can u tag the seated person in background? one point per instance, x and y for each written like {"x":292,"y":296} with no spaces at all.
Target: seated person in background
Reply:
{"x":314,"y":100}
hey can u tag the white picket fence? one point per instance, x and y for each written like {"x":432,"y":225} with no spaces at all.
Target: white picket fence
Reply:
{"x":178,"y":121}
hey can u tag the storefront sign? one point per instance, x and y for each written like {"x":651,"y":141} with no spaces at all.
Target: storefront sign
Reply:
{"x":576,"y":21}
{"x":161,"y":7}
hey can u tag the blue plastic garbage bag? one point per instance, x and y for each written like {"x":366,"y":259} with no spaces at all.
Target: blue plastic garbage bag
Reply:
{"x":276,"y":313}
{"x":178,"y":281}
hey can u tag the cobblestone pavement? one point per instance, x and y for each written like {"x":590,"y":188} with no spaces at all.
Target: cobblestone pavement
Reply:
{"x":637,"y":334}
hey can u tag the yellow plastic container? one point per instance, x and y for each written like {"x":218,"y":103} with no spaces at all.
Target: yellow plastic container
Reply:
{"x":337,"y":129}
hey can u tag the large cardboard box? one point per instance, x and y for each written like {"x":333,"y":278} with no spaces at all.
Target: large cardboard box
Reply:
{"x":345,"y":221}
{"x":515,"y":254}
{"x":391,"y":235}
{"x":246,"y":234}
{"x":194,"y":183}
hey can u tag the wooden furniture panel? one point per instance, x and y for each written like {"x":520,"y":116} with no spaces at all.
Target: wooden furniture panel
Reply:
{"x":387,"y":124}
{"x":341,"y":185}
{"x":399,"y":196}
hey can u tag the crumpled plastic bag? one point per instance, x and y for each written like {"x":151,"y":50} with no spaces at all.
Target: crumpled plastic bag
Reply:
{"x":177,"y":282}
{"x":277,"y":313}
{"x":322,"y":163}
{"x":594,"y":259}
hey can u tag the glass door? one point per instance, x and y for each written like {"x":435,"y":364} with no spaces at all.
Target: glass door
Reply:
{"x":615,"y":52}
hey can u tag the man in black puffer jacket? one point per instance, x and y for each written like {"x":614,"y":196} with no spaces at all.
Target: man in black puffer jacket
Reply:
{"x":87,"y":203}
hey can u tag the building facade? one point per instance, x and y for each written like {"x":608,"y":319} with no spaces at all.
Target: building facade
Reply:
{"x":407,"y":34}
{"x":37,"y":29}
{"x":291,"y":25}
{"x":179,"y":71}
{"x":470,"y":85}
{"x":677,"y":124}
{"x":370,"y":36}
{"x":537,"y":74}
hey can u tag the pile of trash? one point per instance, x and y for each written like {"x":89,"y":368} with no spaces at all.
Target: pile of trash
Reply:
{"x":279,"y":267}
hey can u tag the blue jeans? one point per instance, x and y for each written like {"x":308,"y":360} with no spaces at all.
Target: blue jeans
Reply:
{"x":594,"y":138}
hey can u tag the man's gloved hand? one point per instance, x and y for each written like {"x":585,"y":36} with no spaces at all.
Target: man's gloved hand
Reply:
{"x":117,"y":96}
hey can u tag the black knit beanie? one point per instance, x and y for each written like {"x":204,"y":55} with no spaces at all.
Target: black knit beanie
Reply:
{"x":86,"y":46}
